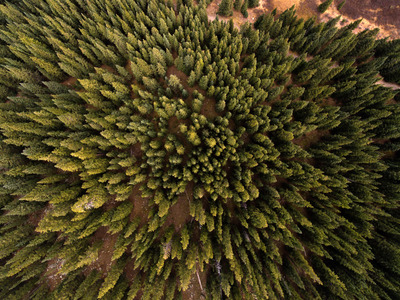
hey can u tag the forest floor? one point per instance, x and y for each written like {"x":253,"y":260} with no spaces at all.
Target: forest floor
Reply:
{"x":382,"y":14}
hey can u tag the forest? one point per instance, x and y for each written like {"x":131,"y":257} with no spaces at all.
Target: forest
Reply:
{"x":145,"y":150}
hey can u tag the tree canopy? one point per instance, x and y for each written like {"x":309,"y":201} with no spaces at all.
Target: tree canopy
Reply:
{"x":145,"y":149}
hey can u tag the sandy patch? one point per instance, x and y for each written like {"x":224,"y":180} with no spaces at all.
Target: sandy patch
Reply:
{"x":284,"y":4}
{"x":388,"y":85}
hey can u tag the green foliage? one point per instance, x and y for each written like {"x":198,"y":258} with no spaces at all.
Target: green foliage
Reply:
{"x":237,"y":4}
{"x":112,"y":278}
{"x":341,"y":4}
{"x":324,"y":5}
{"x":225,"y":8}
{"x":144,"y":149}
{"x":244,"y":8}
{"x":254,"y":3}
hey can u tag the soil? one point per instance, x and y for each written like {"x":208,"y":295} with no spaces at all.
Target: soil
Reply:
{"x":53,"y":276}
{"x":179,"y":213}
{"x":381,"y":14}
{"x":103,"y":262}
{"x":389,"y":84}
{"x":310,"y":138}
{"x":70,"y":82}
{"x":196,"y":287}
{"x":140,"y":205}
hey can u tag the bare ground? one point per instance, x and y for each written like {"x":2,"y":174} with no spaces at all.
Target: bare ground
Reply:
{"x":310,"y":138}
{"x":382,"y":14}
{"x":53,"y":276}
{"x":196,"y":287}
{"x":388,"y":84}
{"x":103,"y":262}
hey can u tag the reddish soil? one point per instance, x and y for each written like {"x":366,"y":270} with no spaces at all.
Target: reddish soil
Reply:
{"x":53,"y":277}
{"x":208,"y":108}
{"x":140,"y":205}
{"x":384,"y":14}
{"x":179,"y":213}
{"x":173,"y":127}
{"x":305,"y":8}
{"x":388,"y":84}
{"x":108,"y":68}
{"x":173,"y":70}
{"x":330,"y":102}
{"x":196,"y":287}
{"x":70,"y":82}
{"x":310,"y":138}
{"x":35,"y":217}
{"x":103,"y":262}
{"x":130,"y":270}
{"x":136,"y":150}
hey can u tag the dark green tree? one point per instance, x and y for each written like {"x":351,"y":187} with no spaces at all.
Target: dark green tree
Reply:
{"x":254,"y":3}
{"x":225,"y":8}
{"x":237,"y":4}
{"x":244,"y":7}
{"x":341,"y":4}
{"x":324,"y":6}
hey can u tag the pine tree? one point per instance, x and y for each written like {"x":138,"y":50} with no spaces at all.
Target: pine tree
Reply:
{"x":237,"y":4}
{"x":341,"y":4}
{"x":112,"y":277}
{"x":253,"y":3}
{"x":226,"y":8}
{"x":244,"y":7}
{"x":324,"y":6}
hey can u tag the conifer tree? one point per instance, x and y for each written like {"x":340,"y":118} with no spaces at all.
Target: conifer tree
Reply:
{"x":226,"y":8}
{"x":253,"y":3}
{"x":244,"y":8}
{"x":341,"y":4}
{"x":237,"y":4}
{"x":324,"y":6}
